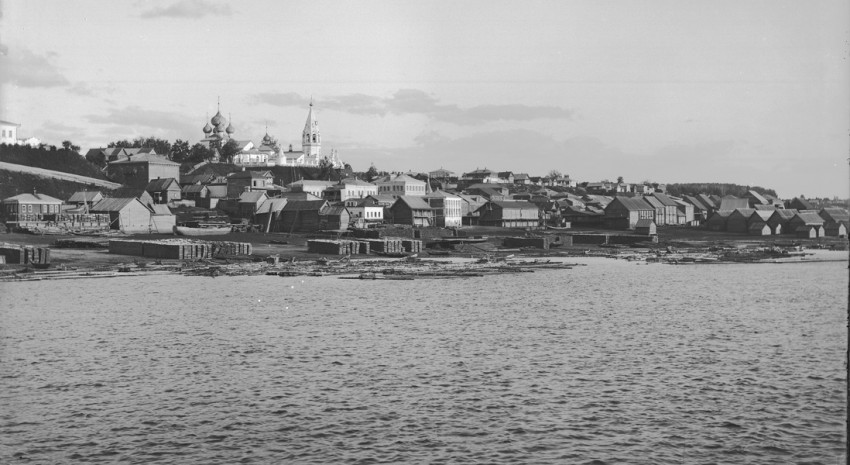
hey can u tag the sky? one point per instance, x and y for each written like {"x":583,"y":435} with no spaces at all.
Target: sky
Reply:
{"x":747,"y":92}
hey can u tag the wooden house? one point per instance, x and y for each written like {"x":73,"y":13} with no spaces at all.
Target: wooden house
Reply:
{"x":316,"y":188}
{"x":738,"y":221}
{"x":128,"y":215}
{"x":806,"y":219}
{"x":646,"y":227}
{"x":164,"y":190}
{"x":137,"y":170}
{"x":578,"y":216}
{"x":250,"y":203}
{"x":195,"y":192}
{"x":731,"y":203}
{"x":411,"y":210}
{"x":334,"y":218}
{"x":759,"y":228}
{"x":808,"y":231}
{"x":778,"y":221}
{"x":798,"y":203}
{"x":671,"y":209}
{"x":31,"y":207}
{"x":509,"y":214}
{"x":448,"y":210}
{"x":835,"y":221}
{"x":301,"y":216}
{"x":248,"y":180}
{"x":717,"y":221}
{"x":700,"y":211}
{"x":625,"y":212}
{"x":367,"y":210}
{"x":85,"y":198}
{"x":754,"y":199}
{"x":759,"y":219}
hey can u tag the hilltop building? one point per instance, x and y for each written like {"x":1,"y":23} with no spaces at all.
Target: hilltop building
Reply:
{"x":9,"y":135}
{"x":269,"y":153}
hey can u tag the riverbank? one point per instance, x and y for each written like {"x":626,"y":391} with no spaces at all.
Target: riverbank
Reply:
{"x":285,"y":254}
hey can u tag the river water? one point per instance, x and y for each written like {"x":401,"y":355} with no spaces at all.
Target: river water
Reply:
{"x":613,"y":362}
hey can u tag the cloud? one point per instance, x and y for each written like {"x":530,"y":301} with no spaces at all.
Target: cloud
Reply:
{"x":417,"y":102}
{"x":133,"y":121}
{"x":24,"y":68}
{"x":191,"y":9}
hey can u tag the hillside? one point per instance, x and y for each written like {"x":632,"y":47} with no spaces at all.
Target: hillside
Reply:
{"x":67,"y":161}
{"x":715,"y":188}
{"x":14,"y":183}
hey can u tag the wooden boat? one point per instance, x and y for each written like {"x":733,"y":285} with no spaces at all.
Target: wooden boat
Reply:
{"x":208,"y":231}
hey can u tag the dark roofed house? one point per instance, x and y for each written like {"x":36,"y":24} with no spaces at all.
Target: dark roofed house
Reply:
{"x":700,"y":210}
{"x":754,"y":198}
{"x":163,"y":190}
{"x":129,"y":192}
{"x":250,"y":203}
{"x":509,"y":214}
{"x":778,"y":221}
{"x":646,"y":227}
{"x":836,"y":221}
{"x":731,"y":203}
{"x":137,"y":170}
{"x":195,"y":192}
{"x":31,"y":207}
{"x":625,"y":212}
{"x":671,"y":209}
{"x":301,"y":215}
{"x":334,"y":218}
{"x":197,"y":179}
{"x":412,"y":210}
{"x":798,"y":203}
{"x":804,"y":224}
{"x":718,"y":220}
{"x":738,"y":221}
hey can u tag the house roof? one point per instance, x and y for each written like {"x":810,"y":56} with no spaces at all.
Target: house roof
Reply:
{"x":335,"y":210}
{"x":632,"y":203}
{"x":706,"y":200}
{"x":252,"y":197}
{"x":305,"y":205}
{"x":835,"y":214}
{"x":84,"y":196}
{"x":801,"y":204}
{"x":757,"y":197}
{"x":733,"y":203}
{"x":440,"y":194}
{"x":644,"y":223}
{"x":783,"y":214}
{"x":810,"y":218}
{"x":695,"y":202}
{"x":413,"y":202}
{"x":272,"y":205}
{"x":193,"y":189}
{"x":309,"y":182}
{"x":162,"y":184}
{"x":356,"y":182}
{"x":196,"y":178}
{"x":664,"y":199}
{"x":764,"y":215}
{"x":160,"y":209}
{"x":33,"y":198}
{"x":514,"y":204}
{"x":113,"y":204}
{"x":250,"y":174}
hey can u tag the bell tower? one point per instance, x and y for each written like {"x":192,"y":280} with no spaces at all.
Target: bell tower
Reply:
{"x":311,"y":139}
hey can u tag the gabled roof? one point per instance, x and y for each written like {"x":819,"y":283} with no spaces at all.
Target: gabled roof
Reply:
{"x":653,"y":202}
{"x":664,"y":199}
{"x":196,"y":178}
{"x":745,"y":212}
{"x":801,"y":204}
{"x":707,"y":201}
{"x":644,"y":223}
{"x":162,"y":184}
{"x":764,"y":215}
{"x":733,"y":203}
{"x":272,"y":205}
{"x":809,"y":218}
{"x":632,"y":203}
{"x":440,"y":194}
{"x":333,"y":210}
{"x":514,"y":204}
{"x":305,"y":205}
{"x":757,"y":197}
{"x":413,"y":202}
{"x":356,"y":182}
{"x":835,"y":214}
{"x":193,"y":189}
{"x":783,"y":214}
{"x":113,"y":204}
{"x":299,"y":196}
{"x":252,"y":197}
{"x":145,"y":158}
{"x":160,"y":209}
{"x":84,"y":196}
{"x":698,"y":205}
{"x":33,"y":198}
{"x":308,"y":182}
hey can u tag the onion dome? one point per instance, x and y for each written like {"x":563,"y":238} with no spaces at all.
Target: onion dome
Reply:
{"x":207,"y":129}
{"x":230,"y":129}
{"x":267,"y":139}
{"x":221,"y":126}
{"x":217,"y":119}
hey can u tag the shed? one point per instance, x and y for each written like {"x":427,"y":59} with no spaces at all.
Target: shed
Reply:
{"x":87,"y":198}
{"x":718,"y":221}
{"x":509,"y":214}
{"x":31,"y":207}
{"x":301,"y":215}
{"x":413,"y":211}
{"x":778,"y":221}
{"x":627,"y":211}
{"x":646,"y":227}
{"x":129,"y":215}
{"x":334,"y":218}
{"x":738,"y":221}
{"x":759,"y":228}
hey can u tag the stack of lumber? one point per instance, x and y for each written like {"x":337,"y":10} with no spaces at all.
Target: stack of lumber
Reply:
{"x":25,"y":255}
{"x":537,"y":242}
{"x":338,"y":247}
{"x":178,"y":249}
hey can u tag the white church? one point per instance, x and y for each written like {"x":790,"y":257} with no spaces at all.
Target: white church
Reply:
{"x":269,"y":152}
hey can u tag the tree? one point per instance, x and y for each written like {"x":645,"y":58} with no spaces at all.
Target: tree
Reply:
{"x":180,"y":151}
{"x":555,"y":174}
{"x":371,"y":173}
{"x":97,"y":158}
{"x":198,"y":153}
{"x":229,"y":149}
{"x":67,"y":145}
{"x":619,"y":179}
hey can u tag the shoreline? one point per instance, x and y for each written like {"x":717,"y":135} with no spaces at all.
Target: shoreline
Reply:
{"x":286,"y":255}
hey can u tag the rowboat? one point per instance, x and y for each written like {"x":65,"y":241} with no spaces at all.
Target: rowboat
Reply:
{"x":208,"y":231}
